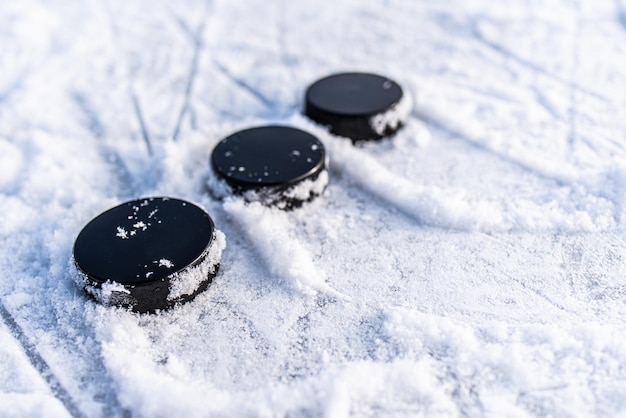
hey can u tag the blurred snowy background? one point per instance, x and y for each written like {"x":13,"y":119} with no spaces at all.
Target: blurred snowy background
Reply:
{"x":474,"y":265}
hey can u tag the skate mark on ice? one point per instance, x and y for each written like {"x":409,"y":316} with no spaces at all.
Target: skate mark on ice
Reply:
{"x":182,"y":24}
{"x":136,"y":105}
{"x":505,"y":52}
{"x":142,"y":123}
{"x":40,"y":364}
{"x":620,"y":11}
{"x":198,"y":45}
{"x":288,"y":59}
{"x":538,"y":293}
{"x":573,"y":99}
{"x":543,"y":101}
{"x":93,"y":122}
{"x":243,"y":85}
{"x":436,"y":122}
{"x":96,"y":127}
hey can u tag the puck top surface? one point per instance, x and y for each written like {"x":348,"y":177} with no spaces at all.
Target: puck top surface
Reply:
{"x":143,"y":241}
{"x":268,"y":156}
{"x":353,"y":94}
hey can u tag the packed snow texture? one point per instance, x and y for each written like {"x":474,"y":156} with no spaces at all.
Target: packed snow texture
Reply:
{"x":393,"y":118}
{"x":188,"y":281}
{"x":303,"y":191}
{"x":472,"y":265}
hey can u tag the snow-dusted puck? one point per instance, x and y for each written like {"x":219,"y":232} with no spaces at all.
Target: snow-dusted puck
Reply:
{"x":359,"y":106}
{"x":276,"y":165}
{"x":148,"y":254}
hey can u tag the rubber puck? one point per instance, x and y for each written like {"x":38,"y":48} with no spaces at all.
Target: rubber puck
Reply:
{"x":148,"y":254}
{"x":276,"y":165}
{"x":359,"y":106}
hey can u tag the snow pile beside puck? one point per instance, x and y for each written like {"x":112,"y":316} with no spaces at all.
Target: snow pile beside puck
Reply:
{"x":359,"y":106}
{"x":148,"y":254}
{"x":275,"y":165}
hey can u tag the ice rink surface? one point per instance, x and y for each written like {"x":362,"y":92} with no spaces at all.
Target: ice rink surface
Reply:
{"x":473,"y":265}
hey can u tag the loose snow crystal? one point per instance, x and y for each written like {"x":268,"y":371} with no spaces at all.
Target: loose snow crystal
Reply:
{"x":122,"y":233}
{"x":164,"y":262}
{"x":140,"y":225}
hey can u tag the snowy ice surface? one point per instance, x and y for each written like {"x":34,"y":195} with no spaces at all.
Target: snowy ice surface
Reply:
{"x":473,"y":265}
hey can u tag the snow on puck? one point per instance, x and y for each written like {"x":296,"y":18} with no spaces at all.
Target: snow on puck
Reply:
{"x":359,"y":106}
{"x":276,"y":165}
{"x":148,"y":254}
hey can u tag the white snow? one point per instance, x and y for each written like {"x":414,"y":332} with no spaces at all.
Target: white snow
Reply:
{"x":186,"y":282}
{"x":268,"y":230}
{"x":122,"y":233}
{"x":23,"y":392}
{"x":164,"y":262}
{"x":395,"y":116}
{"x":140,"y":225}
{"x":302,"y":191}
{"x":473,"y":265}
{"x":110,"y":293}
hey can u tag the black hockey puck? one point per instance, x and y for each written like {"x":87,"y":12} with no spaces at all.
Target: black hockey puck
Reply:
{"x":148,"y":254}
{"x":276,"y":165}
{"x":358,"y":106}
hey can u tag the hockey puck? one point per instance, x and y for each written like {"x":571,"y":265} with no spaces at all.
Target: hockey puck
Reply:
{"x":148,"y":254}
{"x":358,"y":106}
{"x":276,"y":165}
